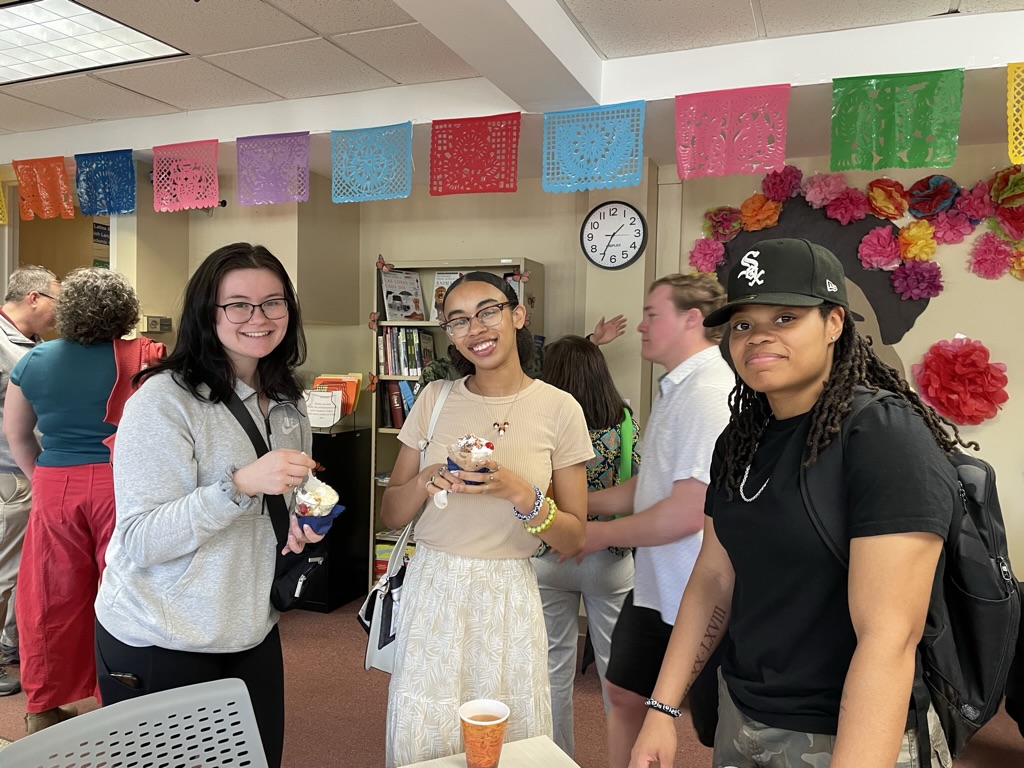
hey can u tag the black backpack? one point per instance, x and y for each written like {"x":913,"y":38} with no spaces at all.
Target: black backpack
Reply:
{"x":968,"y":645}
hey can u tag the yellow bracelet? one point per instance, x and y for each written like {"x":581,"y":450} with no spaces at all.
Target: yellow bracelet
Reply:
{"x":552,"y":511}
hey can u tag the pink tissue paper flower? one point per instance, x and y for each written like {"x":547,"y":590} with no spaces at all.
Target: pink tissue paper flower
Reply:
{"x":917,"y":280}
{"x":707,"y":254}
{"x":880,"y":249}
{"x":849,"y":205}
{"x":822,"y":188}
{"x":990,"y":256}
{"x":975,"y":202}
{"x":782,"y":185}
{"x":951,"y":227}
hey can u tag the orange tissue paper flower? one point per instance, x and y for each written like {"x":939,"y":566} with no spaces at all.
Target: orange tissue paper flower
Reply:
{"x":758,"y":212}
{"x":1017,"y":264}
{"x":917,"y":241}
{"x":958,"y":380}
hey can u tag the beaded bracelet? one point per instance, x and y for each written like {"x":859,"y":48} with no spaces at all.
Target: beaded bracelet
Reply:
{"x":538,"y":529}
{"x":670,"y":711}
{"x":536,"y":506}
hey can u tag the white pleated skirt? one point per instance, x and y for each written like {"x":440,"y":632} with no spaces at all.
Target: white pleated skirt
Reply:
{"x":468,"y":629}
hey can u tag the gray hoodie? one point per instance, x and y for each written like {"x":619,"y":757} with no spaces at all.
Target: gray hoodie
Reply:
{"x":13,"y":346}
{"x":191,"y":560}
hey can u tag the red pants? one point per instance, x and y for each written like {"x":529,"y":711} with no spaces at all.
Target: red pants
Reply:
{"x":69,"y":526}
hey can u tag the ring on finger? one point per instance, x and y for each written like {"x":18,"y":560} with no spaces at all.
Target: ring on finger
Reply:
{"x":430,"y":480}
{"x":490,"y":478}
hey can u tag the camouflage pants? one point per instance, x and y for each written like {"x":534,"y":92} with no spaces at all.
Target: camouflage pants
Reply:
{"x":744,"y":743}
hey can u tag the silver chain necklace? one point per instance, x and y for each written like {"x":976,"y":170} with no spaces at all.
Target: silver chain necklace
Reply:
{"x":746,"y":474}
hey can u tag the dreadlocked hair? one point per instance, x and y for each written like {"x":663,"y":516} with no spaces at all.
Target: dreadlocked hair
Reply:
{"x":854,"y":364}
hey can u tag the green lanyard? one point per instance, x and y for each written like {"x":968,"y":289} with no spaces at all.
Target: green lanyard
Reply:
{"x":626,"y":448}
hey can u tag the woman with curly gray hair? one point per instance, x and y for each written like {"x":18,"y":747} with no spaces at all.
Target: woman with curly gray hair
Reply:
{"x":69,"y":389}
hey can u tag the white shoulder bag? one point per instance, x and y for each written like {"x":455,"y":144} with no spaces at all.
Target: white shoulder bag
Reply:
{"x":380,"y":612}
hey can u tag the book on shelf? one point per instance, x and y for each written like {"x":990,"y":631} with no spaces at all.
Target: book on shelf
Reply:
{"x":403,"y":296}
{"x":349,"y":384}
{"x":395,"y":404}
{"x":441,"y":282}
{"x":408,"y":397}
{"x":404,"y":351}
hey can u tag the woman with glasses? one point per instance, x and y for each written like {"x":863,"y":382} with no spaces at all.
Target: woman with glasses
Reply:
{"x":186,"y":595}
{"x":66,"y":388}
{"x":472,"y":625}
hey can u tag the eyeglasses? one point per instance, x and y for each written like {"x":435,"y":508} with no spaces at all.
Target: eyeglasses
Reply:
{"x":489,"y":317}
{"x":239,"y":312}
{"x":51,"y":298}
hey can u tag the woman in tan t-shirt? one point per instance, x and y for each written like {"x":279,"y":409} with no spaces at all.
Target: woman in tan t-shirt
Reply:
{"x":472,"y":625}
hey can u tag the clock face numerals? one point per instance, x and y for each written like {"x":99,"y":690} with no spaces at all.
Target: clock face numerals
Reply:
{"x":613,"y":235}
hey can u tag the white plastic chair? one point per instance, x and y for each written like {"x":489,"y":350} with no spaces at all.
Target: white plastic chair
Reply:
{"x":208,"y":725}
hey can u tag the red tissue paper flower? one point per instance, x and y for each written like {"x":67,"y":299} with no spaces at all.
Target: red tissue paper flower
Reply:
{"x":888,"y":198}
{"x":1007,"y":186}
{"x":722,"y":223}
{"x":957,"y":379}
{"x":932,"y":195}
{"x":849,"y":205}
{"x":782,"y":185}
{"x":990,"y":256}
{"x":1011,"y":223}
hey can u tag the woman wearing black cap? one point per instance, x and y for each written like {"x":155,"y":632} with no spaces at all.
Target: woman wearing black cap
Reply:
{"x":821,"y":663}
{"x":472,"y":625}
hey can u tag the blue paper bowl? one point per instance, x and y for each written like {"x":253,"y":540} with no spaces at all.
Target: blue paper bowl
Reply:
{"x":320,"y":524}
{"x":453,"y":466}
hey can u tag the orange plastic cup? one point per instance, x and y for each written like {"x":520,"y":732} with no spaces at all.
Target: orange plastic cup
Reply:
{"x":483,"y":731}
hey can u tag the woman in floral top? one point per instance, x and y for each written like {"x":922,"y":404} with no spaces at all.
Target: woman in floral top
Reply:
{"x":576,"y":365}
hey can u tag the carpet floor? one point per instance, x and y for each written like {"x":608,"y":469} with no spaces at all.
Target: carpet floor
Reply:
{"x":335,"y":709}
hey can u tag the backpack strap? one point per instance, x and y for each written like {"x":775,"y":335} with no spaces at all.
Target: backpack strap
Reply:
{"x":823,"y":492}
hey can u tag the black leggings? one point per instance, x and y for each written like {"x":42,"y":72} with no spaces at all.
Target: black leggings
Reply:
{"x":159,"y":669}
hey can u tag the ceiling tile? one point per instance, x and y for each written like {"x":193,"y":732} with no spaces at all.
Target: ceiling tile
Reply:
{"x":621,"y":28}
{"x":408,"y":54}
{"x":210,"y":27}
{"x":990,"y":6}
{"x":83,"y":96}
{"x":298,"y":70}
{"x":799,"y":17}
{"x":331,"y":17}
{"x":17,"y":115}
{"x":188,"y":84}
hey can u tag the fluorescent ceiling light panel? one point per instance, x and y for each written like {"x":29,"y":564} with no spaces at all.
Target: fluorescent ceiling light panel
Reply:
{"x":50,"y":37}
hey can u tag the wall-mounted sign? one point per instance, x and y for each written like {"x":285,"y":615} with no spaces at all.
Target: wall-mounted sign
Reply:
{"x":101,"y":234}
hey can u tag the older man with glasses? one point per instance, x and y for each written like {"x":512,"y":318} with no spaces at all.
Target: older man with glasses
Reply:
{"x":27,"y":313}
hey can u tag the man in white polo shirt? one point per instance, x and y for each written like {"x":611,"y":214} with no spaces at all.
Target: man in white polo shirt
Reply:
{"x":27,"y":312}
{"x":663,"y":505}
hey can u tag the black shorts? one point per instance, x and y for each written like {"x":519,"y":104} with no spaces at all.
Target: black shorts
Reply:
{"x":639,"y":641}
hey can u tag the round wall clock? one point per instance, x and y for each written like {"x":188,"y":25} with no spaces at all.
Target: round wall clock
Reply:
{"x":613,"y":235}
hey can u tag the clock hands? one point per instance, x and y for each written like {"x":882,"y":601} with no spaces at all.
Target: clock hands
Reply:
{"x":610,"y":238}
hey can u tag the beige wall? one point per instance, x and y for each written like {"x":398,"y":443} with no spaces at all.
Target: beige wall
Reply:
{"x":981,"y":309}
{"x":61,"y":245}
{"x":328,"y":257}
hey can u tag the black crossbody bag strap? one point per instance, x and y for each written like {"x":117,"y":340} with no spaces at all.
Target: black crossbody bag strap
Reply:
{"x":275,"y":502}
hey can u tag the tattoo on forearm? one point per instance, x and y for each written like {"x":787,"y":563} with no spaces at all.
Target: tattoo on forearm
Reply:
{"x":711,"y":635}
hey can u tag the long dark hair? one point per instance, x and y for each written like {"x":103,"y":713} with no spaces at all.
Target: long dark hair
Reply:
{"x":854,"y":364}
{"x":577,"y":366}
{"x":199,"y":357}
{"x":524,"y":339}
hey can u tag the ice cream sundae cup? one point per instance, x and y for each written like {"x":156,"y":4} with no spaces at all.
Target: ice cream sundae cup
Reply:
{"x":468,"y":453}
{"x":316,"y":505}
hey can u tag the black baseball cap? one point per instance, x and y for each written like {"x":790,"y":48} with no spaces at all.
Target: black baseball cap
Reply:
{"x":785,"y":272}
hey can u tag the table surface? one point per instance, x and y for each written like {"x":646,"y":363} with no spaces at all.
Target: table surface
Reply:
{"x":515,"y":754}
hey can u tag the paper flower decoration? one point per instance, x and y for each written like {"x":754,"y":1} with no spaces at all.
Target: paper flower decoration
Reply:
{"x":822,"y":188}
{"x":1017,"y":264}
{"x":975,"y":203}
{"x":990,"y":256}
{"x":849,"y":205}
{"x":879,"y":249}
{"x":758,"y":212}
{"x":707,"y":254}
{"x":1009,"y":223}
{"x":917,"y":241}
{"x":722,"y":223}
{"x":782,"y":185}
{"x":917,"y":280}
{"x":951,"y":227}
{"x":887,"y":198}
{"x":957,"y":379}
{"x":1007,"y":186}
{"x":931,"y":195}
